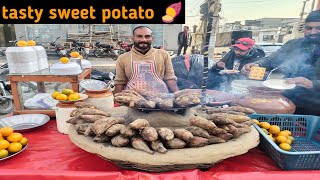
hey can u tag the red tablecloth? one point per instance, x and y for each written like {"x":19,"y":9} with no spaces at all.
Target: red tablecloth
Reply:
{"x":51,"y":155}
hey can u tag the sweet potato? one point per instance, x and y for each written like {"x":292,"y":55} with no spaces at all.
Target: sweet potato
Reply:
{"x":225,"y":136}
{"x":101,"y":139}
{"x":149,"y":134}
{"x":248,"y":123}
{"x":88,"y":131}
{"x":140,"y":144}
{"x":241,"y":131}
{"x":81,"y":128}
{"x":139,"y":124}
{"x":176,"y":143}
{"x":216,"y":140}
{"x":114,"y":129}
{"x":217,"y":131}
{"x":220,"y":119}
{"x":232,"y":108}
{"x":202,"y":123}
{"x":91,"y":118}
{"x":240,"y":125}
{"x":88,"y":111}
{"x":196,"y":131}
{"x":75,"y":120}
{"x":232,"y":129}
{"x":119,"y":141}
{"x":127,"y":132}
{"x":198,"y":142}
{"x":165,"y":133}
{"x":83,"y":105}
{"x":183,"y":134}
{"x":101,"y":126}
{"x":158,"y":146}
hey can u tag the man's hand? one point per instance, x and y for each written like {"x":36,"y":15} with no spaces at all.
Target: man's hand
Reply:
{"x":221,"y":64}
{"x":246,"y":68}
{"x":300,"y":81}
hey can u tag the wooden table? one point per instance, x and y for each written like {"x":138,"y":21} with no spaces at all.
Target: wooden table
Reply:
{"x":40,"y":77}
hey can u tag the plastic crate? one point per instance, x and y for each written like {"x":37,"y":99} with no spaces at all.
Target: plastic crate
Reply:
{"x":305,"y":150}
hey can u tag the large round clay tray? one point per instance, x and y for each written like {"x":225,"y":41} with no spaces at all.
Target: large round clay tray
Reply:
{"x":177,"y":159}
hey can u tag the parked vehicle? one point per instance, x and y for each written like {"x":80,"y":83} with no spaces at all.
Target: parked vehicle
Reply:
{"x":105,"y":50}
{"x":6,"y":102}
{"x":59,"y":48}
{"x":269,"y":48}
{"x":81,"y":47}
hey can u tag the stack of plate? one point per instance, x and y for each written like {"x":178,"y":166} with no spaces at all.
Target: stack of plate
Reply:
{"x":22,"y":60}
{"x":42,"y":57}
{"x":65,"y":69}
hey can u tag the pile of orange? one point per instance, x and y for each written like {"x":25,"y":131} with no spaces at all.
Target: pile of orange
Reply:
{"x":66,"y":95}
{"x":283,"y":138}
{"x":10,"y":142}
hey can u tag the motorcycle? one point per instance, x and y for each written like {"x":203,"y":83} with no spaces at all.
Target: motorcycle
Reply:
{"x":105,"y":50}
{"x":124,"y":47}
{"x":59,"y":48}
{"x":82,"y":48}
{"x":6,"y":100}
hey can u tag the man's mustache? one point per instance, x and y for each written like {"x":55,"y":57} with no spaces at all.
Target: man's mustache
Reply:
{"x":143,"y":43}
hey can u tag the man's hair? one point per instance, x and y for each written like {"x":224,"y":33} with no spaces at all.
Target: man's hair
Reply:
{"x":186,"y":27}
{"x":139,"y":27}
{"x":314,"y":16}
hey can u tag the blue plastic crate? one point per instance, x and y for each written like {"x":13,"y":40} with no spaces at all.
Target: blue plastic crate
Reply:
{"x":305,"y":150}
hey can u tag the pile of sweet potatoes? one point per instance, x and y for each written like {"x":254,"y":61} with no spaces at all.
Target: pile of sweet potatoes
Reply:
{"x":211,"y":128}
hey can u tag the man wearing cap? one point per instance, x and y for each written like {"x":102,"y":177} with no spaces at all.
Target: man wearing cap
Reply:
{"x":242,"y":52}
{"x":299,"y":61}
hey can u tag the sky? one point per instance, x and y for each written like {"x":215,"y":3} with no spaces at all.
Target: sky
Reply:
{"x":240,"y":10}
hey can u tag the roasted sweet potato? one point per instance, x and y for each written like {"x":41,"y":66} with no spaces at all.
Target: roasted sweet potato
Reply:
{"x":127,"y":132}
{"x":183,"y":134}
{"x":216,"y":140}
{"x":220,"y":119}
{"x":202,"y":123}
{"x":176,"y":143}
{"x":75,"y":120}
{"x":217,"y":131}
{"x":101,"y":139}
{"x":100,"y":126}
{"x":232,"y":108}
{"x":91,"y":118}
{"x":196,"y":131}
{"x":225,"y":136}
{"x":83,"y":105}
{"x":140,"y":144}
{"x":165,"y":133}
{"x":88,"y":111}
{"x":114,"y":129}
{"x":139,"y":124}
{"x":198,"y":142}
{"x":158,"y":146}
{"x":232,"y":129}
{"x":119,"y":141}
{"x":149,"y":134}
{"x":241,"y":131}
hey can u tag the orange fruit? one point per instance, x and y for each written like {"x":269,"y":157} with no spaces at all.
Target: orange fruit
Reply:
{"x":61,"y":97}
{"x":74,"y":54}
{"x":287,"y":131}
{"x":274,"y":129}
{"x":78,"y":95}
{"x":64,"y":60}
{"x":22,"y":43}
{"x":6,"y":131}
{"x":289,"y":141}
{"x":54,"y":94}
{"x":73,"y":97}
{"x":15,"y":137}
{"x":14,"y":147}
{"x":256,"y":121}
{"x":265,"y":131}
{"x":3,"y":153}
{"x":31,"y":43}
{"x":4,"y":144}
{"x":23,"y":141}
{"x":283,"y":133}
{"x":281,"y":139}
{"x":291,"y":138}
{"x":285,"y":146}
{"x":1,"y":136}
{"x":67,"y":91}
{"x":264,"y":125}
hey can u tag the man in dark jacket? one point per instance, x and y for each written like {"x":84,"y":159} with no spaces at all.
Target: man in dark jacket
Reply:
{"x":299,"y":61}
{"x":242,"y":52}
{"x":184,"y":40}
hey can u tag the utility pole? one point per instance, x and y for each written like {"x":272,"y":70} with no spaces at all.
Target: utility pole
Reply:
{"x":212,"y":42}
{"x":312,"y":4}
{"x":303,"y":7}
